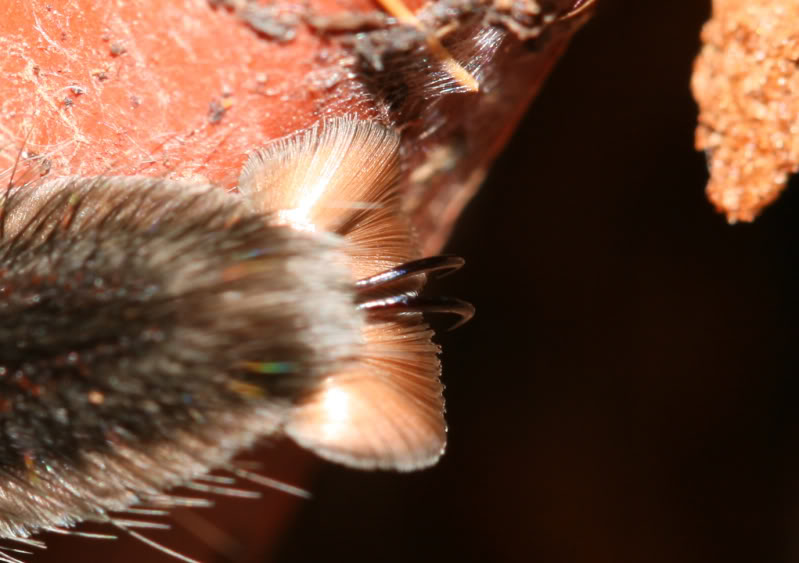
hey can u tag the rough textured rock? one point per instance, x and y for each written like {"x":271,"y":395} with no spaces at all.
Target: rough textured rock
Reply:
{"x":746,"y":82}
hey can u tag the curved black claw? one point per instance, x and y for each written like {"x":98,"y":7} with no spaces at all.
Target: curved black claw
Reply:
{"x":412,"y":268}
{"x":410,"y":303}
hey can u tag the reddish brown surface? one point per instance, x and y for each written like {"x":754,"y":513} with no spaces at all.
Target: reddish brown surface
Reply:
{"x":137,"y":88}
{"x":147,"y":110}
{"x":746,"y":83}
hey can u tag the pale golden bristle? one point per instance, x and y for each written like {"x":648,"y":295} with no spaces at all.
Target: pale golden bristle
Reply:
{"x":400,"y":10}
{"x":339,"y":176}
{"x":388,"y":413}
{"x":386,"y":410}
{"x":379,"y":240}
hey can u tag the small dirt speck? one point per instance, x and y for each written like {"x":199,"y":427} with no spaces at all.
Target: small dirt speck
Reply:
{"x":349,"y":21}
{"x":117,"y":49}
{"x":216,"y":111}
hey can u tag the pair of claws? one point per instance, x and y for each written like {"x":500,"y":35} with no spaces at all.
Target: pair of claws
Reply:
{"x":412,"y":302}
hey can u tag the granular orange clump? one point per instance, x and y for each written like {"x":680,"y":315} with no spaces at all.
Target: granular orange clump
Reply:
{"x":746,"y":82}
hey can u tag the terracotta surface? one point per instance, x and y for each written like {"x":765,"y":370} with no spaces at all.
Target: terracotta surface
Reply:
{"x":148,"y":110}
{"x":186,"y":89}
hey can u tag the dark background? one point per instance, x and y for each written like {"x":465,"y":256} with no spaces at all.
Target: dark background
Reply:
{"x":628,"y":389}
